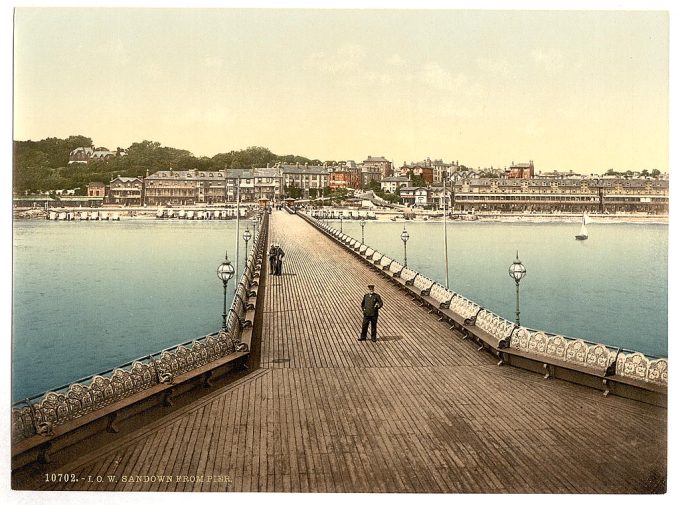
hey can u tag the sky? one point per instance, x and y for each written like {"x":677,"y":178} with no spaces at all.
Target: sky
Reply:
{"x":570,"y":90}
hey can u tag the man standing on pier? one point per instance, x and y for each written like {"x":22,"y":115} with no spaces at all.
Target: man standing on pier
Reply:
{"x":272,"y":259}
{"x":370,"y":305}
{"x":278,"y":264}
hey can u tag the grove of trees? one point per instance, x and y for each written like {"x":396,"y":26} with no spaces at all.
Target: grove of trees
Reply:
{"x":42,"y":165}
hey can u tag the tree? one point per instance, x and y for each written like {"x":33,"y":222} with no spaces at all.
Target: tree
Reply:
{"x":43,"y":165}
{"x":340,"y":194}
{"x":392,"y":198}
{"x":417,"y":181}
{"x":292,"y":191}
{"x":291,"y":159}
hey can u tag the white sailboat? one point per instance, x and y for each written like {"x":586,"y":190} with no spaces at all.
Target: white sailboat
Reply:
{"x":583,"y":234}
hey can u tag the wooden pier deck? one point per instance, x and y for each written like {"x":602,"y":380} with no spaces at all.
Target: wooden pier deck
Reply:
{"x":421,"y":410}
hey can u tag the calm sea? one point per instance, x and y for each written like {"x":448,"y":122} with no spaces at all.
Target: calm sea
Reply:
{"x":89,"y":296}
{"x":611,"y":288}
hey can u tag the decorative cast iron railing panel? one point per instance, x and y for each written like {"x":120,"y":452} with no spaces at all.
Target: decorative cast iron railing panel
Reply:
{"x":440,"y":293}
{"x":463,"y":307}
{"x":495,"y":325}
{"x":408,"y":274}
{"x":396,"y":267}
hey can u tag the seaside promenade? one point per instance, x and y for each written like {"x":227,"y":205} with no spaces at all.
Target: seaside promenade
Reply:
{"x":419,"y":411}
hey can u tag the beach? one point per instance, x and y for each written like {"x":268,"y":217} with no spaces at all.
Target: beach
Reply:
{"x":404,"y":215}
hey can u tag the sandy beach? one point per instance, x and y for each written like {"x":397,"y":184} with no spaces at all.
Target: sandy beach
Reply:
{"x":391,"y":215}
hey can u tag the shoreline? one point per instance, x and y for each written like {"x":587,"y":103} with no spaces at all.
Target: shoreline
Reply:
{"x":142,"y":213}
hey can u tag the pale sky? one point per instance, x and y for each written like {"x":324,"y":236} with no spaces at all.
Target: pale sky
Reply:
{"x":579,"y":90}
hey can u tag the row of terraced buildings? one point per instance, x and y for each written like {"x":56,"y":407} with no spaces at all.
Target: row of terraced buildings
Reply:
{"x":466,"y":192}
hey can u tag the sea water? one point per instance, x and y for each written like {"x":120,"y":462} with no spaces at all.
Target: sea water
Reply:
{"x":610,"y":289}
{"x":89,"y":296}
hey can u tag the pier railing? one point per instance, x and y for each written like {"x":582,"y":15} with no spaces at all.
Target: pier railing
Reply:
{"x":510,"y":342}
{"x":72,"y":405}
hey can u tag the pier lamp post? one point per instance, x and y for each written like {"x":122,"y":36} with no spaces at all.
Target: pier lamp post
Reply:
{"x":254,"y":221}
{"x":246,"y":237}
{"x":225,"y":272}
{"x":363,"y":223}
{"x":404,"y":238}
{"x":517,"y":271}
{"x":340,"y":223}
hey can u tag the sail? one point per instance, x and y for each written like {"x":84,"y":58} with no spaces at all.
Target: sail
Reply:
{"x":584,"y":230}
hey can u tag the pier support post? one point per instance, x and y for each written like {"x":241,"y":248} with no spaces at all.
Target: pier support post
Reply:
{"x":111,"y":423}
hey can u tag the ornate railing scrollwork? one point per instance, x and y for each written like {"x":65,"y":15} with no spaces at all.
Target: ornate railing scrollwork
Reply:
{"x":245,"y":304}
{"x":246,"y":289}
{"x":243,"y":323}
{"x":470,"y":321}
{"x":505,"y":342}
{"x":89,"y":394}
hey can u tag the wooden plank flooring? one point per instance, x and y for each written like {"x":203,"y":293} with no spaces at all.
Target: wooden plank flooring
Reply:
{"x":419,"y":411}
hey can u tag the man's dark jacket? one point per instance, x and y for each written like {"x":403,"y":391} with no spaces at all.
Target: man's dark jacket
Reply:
{"x":371,"y":303}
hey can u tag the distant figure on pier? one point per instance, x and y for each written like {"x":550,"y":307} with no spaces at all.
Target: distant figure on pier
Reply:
{"x":278,"y":266}
{"x":272,"y":259}
{"x":370,"y":305}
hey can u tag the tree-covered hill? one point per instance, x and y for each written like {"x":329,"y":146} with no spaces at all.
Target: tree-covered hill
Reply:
{"x":43,"y":165}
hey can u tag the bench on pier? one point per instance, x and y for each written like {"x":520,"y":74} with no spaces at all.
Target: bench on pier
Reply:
{"x":407,"y":276}
{"x":104,"y":419}
{"x":395,"y":269}
{"x":557,"y":353}
{"x":385,"y":263}
{"x":421,"y":284}
{"x":371,"y":254}
{"x":441,"y":296}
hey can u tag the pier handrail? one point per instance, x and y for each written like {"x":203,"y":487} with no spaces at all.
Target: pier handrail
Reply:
{"x":626,"y":365}
{"x":88,"y":394}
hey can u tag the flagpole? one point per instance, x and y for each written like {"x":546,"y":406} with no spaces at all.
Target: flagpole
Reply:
{"x":238,"y":220}
{"x":446,"y":239}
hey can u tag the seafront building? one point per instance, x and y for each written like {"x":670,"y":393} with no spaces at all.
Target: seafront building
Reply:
{"x":310,"y":177}
{"x":126,"y":191}
{"x":562,"y":195}
{"x":432,"y":171}
{"x":96,"y":189}
{"x":394,"y":184}
{"x":184,"y":187}
{"x":520,"y":171}
{"x":377,"y":165}
{"x":517,"y":188}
